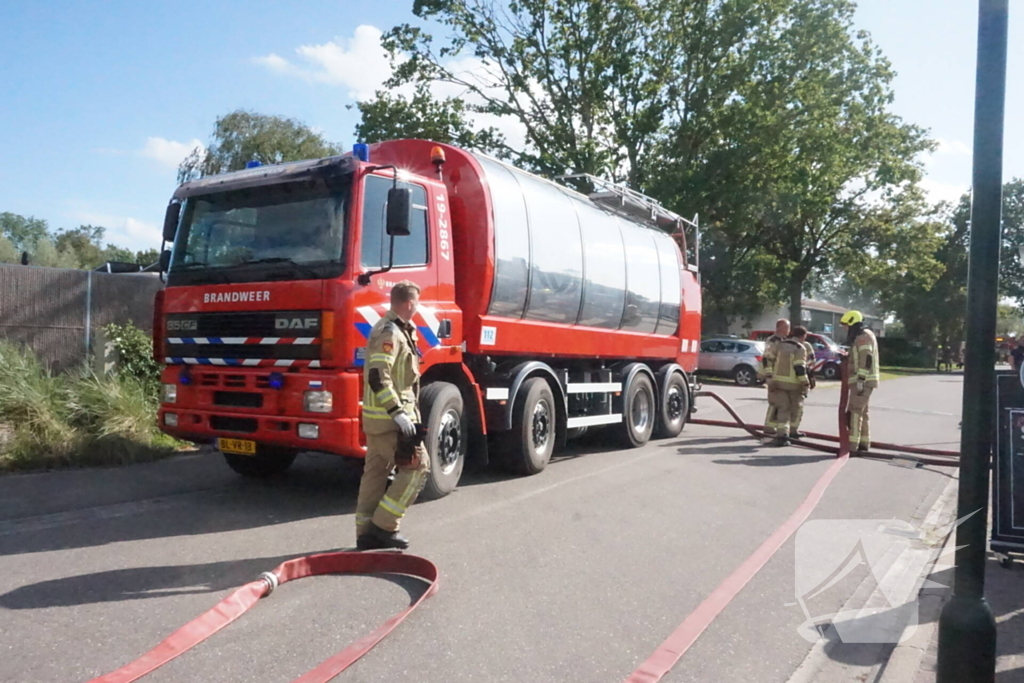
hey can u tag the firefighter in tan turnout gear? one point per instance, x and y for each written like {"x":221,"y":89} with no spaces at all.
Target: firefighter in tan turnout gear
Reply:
{"x":864,"y":373}
{"x":789,"y":385}
{"x":771,"y":350}
{"x":800,"y":334}
{"x":390,"y":415}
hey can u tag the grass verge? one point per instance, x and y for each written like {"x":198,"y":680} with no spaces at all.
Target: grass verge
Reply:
{"x":74,"y":420}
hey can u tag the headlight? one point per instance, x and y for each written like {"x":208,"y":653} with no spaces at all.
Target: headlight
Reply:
{"x":317,"y":401}
{"x":309,"y":431}
{"x":170,"y":393}
{"x":171,"y":419}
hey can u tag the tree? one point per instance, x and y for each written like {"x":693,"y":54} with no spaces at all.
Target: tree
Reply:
{"x":47,"y":254}
{"x":147,"y":257}
{"x":391,"y":117}
{"x":810,"y":164}
{"x":8,"y":252}
{"x":590,"y":82}
{"x":83,"y":244}
{"x":244,"y":136}
{"x":22,"y":231}
{"x":1011,"y":265}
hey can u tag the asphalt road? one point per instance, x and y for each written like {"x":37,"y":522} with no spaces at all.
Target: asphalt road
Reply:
{"x":577,"y":574}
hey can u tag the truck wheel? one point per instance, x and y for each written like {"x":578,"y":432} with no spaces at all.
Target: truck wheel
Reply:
{"x":533,"y":428}
{"x":639,"y":408}
{"x":674,"y":407}
{"x":830,"y":371}
{"x":744,"y":375}
{"x":442,"y":408}
{"x":267,"y":462}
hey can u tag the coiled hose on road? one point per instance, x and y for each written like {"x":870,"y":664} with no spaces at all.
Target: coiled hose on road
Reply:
{"x":927,"y":456}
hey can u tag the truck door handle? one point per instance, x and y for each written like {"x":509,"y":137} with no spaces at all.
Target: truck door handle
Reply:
{"x":444,"y":329}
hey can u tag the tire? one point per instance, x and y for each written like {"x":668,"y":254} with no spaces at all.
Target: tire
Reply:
{"x":673,"y":408}
{"x":443,"y":413}
{"x":267,"y":462}
{"x":830,"y":371}
{"x":744,"y":375}
{"x":534,"y":428}
{"x":639,"y":412}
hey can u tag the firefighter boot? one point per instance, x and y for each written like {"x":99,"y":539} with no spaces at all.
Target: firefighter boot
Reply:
{"x":379,"y":539}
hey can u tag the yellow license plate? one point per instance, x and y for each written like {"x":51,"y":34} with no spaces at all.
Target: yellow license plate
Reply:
{"x":240,"y":446}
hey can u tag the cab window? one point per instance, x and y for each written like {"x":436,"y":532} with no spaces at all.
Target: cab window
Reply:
{"x":410,"y":250}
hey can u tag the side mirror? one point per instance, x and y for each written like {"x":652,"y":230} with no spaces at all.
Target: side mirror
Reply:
{"x":165,"y":260}
{"x":171,"y":221}
{"x":399,"y":217}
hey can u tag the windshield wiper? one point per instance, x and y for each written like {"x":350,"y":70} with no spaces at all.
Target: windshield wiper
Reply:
{"x":207,"y":270}
{"x":283,"y":259}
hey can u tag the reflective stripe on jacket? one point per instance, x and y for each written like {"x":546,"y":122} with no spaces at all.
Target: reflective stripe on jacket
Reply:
{"x":791,"y":356}
{"x":864,"y":352}
{"x":391,"y":352}
{"x":771,"y":350}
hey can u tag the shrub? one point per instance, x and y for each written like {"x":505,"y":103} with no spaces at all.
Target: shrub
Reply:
{"x":134,"y":353}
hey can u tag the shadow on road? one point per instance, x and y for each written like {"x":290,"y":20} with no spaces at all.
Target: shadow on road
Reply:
{"x":776,"y":460}
{"x":153,"y":582}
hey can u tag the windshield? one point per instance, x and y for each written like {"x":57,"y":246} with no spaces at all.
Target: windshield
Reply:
{"x":290,"y":231}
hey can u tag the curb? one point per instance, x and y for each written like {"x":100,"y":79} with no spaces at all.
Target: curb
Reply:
{"x":914,"y":658}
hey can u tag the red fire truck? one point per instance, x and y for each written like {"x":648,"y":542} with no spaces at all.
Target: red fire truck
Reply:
{"x":544,"y":312}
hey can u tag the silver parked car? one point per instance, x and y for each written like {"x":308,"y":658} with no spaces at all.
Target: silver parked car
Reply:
{"x":736,"y":358}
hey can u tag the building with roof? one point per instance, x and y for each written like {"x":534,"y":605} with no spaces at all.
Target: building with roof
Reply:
{"x":820,"y":317}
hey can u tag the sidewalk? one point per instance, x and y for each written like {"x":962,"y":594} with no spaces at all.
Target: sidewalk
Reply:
{"x":1004,"y":590}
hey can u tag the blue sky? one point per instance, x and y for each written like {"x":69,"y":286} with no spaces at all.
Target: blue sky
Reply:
{"x":101,"y":100}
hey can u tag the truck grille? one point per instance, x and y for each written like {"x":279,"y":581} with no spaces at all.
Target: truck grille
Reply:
{"x":256,"y":336}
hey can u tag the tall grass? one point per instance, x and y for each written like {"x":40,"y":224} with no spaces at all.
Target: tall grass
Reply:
{"x":70,"y":420}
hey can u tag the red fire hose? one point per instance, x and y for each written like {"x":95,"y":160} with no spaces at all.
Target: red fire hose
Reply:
{"x":242,"y":600}
{"x":938,"y":457}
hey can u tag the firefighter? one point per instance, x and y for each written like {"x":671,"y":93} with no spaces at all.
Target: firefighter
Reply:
{"x":390,"y":414}
{"x":771,"y":348}
{"x":865,"y":363}
{"x":800,"y":334}
{"x":789,"y":381}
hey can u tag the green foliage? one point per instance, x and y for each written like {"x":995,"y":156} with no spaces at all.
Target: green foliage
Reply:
{"x":84,"y":243}
{"x":769,"y":118}
{"x":70,"y":420}
{"x":23,"y":231}
{"x":134,"y":349}
{"x":33,"y":407}
{"x":243,"y":136}
{"x":392,"y":117}
{"x":8,"y":252}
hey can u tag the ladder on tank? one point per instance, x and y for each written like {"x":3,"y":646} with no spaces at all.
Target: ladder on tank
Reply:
{"x":637,"y":206}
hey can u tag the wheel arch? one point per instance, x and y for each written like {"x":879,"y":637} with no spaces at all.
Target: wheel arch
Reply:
{"x":472,"y":403}
{"x":525,"y":371}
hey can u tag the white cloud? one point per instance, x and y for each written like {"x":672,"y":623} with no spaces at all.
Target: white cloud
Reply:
{"x":952,"y":147}
{"x":943,"y":192}
{"x":124,"y":231}
{"x":358,"y":63}
{"x":168,"y":153}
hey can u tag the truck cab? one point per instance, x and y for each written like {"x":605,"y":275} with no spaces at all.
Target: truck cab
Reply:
{"x":269,"y":302}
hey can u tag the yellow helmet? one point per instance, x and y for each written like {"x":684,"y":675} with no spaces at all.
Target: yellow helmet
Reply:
{"x":851,"y":318}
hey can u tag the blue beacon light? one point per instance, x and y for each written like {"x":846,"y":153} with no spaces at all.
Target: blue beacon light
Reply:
{"x":275,"y":380}
{"x":253,"y":164}
{"x":361,"y":151}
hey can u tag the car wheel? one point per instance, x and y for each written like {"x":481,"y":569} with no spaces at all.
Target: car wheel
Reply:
{"x":830,"y":371}
{"x":744,"y":375}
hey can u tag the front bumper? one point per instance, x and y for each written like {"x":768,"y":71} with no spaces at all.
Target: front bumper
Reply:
{"x":208,"y":407}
